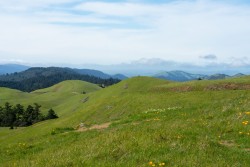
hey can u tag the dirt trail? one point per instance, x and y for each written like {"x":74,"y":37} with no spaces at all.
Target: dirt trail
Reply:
{"x":98,"y":127}
{"x":247,"y":149}
{"x":227,"y":143}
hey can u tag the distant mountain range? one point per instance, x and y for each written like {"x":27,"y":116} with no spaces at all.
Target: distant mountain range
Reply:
{"x":100,"y":74}
{"x":182,"y":76}
{"x":178,"y":76}
{"x":143,"y":64}
{"x":149,"y":66}
{"x":11,"y":68}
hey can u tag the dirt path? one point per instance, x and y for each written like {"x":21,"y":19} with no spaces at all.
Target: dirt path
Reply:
{"x":247,"y":149}
{"x":98,"y":127}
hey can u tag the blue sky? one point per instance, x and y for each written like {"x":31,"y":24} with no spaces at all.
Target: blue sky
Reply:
{"x":58,"y":32}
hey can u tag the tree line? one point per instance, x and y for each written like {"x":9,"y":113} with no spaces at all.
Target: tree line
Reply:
{"x":19,"y":116}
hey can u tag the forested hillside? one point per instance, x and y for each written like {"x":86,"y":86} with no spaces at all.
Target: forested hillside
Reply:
{"x":38,"y":78}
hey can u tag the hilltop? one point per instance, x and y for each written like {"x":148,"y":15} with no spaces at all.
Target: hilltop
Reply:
{"x":134,"y":122}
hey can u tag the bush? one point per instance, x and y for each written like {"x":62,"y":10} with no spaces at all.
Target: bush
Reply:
{"x":51,"y":114}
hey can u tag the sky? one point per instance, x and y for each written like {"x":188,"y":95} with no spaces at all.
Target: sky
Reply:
{"x":117,"y":31}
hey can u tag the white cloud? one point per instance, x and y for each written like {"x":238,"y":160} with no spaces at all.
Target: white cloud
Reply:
{"x":101,"y":32}
{"x":238,"y":61}
{"x":32,"y":3}
{"x":68,"y":18}
{"x":119,"y":9}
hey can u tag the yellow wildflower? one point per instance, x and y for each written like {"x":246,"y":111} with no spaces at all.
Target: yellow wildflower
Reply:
{"x":245,"y":122}
{"x":162,"y":164}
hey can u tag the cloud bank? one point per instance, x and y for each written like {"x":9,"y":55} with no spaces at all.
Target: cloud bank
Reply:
{"x":108,"y":32}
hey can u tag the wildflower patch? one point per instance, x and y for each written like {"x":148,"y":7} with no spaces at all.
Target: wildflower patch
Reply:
{"x":151,"y":163}
{"x":161,"y":110}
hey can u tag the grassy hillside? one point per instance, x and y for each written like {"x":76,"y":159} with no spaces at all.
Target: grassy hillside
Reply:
{"x":198,"y":123}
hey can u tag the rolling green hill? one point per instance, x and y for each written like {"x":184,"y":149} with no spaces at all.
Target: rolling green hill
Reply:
{"x":73,"y":86}
{"x":132,"y":123}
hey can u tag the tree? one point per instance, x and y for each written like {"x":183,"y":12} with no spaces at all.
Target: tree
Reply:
{"x":12,"y":118}
{"x":19,"y":110}
{"x":28,"y":115}
{"x":51,"y":114}
{"x":36,"y":113}
{"x":6,"y":112}
{"x":9,"y":115}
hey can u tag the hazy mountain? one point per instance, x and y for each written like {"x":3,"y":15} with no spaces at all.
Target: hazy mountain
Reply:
{"x":238,"y":75}
{"x":149,"y":67}
{"x":184,"y":76}
{"x":95,"y":73}
{"x":119,"y":76}
{"x":217,"y":76}
{"x":178,"y":76}
{"x":145,"y":67}
{"x":100,"y":74}
{"x":11,"y":68}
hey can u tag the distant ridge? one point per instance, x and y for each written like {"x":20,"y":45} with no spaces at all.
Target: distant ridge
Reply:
{"x":100,"y":74}
{"x":238,"y":75}
{"x":12,"y":68}
{"x":119,"y":76}
{"x":217,"y":76}
{"x":91,"y":72}
{"x":182,"y":76}
{"x":178,"y":76}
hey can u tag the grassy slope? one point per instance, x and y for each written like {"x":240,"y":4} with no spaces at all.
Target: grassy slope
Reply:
{"x":181,"y":124}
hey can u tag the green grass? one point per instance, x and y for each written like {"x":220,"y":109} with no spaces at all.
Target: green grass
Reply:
{"x":196,"y":123}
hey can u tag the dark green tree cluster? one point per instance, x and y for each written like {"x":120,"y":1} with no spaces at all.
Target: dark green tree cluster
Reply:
{"x":18,"y":116}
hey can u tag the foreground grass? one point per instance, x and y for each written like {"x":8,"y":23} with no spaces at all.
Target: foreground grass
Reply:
{"x":150,"y":122}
